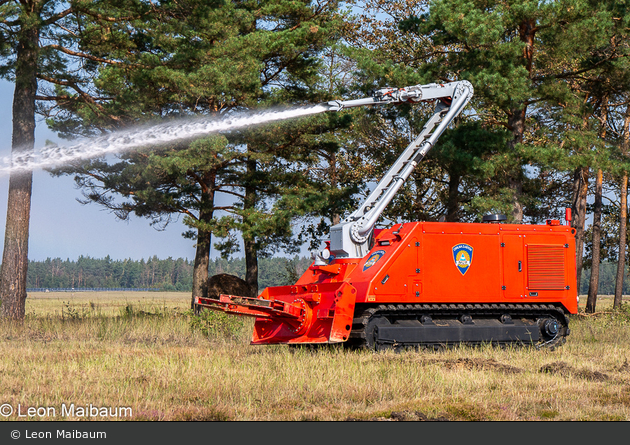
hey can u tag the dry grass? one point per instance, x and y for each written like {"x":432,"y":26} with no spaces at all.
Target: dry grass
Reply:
{"x":147,"y":352}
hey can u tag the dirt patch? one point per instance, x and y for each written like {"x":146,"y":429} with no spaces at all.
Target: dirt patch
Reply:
{"x":566,"y":370}
{"x":480,"y":363}
{"x":402,"y":416}
{"x":415,"y":416}
{"x":488,"y":364}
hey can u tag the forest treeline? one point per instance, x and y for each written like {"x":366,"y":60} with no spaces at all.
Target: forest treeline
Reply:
{"x":160,"y":274}
{"x":176,"y":274}
{"x":548,"y":126}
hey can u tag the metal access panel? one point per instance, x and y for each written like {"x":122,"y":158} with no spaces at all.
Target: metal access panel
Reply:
{"x":459,"y":266}
{"x":514,"y":262}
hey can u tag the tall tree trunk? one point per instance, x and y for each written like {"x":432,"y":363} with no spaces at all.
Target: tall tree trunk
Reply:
{"x":597,"y":227}
{"x":578,"y":210}
{"x":201,"y":264}
{"x":516,"y":119}
{"x":516,"y":122}
{"x":623,"y":216}
{"x":452,"y":204}
{"x":251,"y":252}
{"x":593,"y":284}
{"x":251,"y":267}
{"x":204,"y":240}
{"x":15,"y":254}
{"x":621,"y":263}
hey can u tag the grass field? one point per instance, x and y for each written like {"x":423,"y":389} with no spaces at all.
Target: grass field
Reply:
{"x":148,"y":353}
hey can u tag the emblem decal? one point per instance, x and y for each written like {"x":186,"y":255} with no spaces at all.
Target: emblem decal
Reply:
{"x":463,"y":255}
{"x":371,"y":261}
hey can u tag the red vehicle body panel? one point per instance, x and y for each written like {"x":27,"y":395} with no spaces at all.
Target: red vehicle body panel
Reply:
{"x":426,"y":262}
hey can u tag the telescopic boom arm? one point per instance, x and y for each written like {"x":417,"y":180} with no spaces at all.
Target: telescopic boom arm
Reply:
{"x":350,"y":238}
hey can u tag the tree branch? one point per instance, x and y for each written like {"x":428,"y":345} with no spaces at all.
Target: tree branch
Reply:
{"x":86,"y":97}
{"x":104,"y":17}
{"x":55,"y":98}
{"x":93,"y":58}
{"x":59,"y":15}
{"x":228,"y":192}
{"x":578,"y":72}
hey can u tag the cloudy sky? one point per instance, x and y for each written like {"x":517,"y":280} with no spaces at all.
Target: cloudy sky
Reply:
{"x":62,"y":227}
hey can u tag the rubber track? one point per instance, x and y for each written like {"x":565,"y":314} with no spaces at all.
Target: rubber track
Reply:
{"x":453,"y":311}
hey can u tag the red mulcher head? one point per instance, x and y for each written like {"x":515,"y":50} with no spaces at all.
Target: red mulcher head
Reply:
{"x":310,"y":313}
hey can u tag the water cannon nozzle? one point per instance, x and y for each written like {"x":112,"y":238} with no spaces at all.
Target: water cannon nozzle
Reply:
{"x":334,"y":105}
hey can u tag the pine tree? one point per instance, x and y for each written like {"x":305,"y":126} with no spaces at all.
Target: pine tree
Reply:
{"x":195,"y":58}
{"x":520,"y":57}
{"x":38,"y":50}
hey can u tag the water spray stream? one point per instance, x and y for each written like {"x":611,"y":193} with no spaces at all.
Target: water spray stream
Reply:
{"x":125,"y":140}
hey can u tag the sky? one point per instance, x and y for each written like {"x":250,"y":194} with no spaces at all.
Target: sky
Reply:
{"x":61,"y":227}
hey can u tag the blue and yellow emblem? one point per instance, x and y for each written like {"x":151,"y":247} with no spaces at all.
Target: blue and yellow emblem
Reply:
{"x":462,"y":254}
{"x":371,"y":261}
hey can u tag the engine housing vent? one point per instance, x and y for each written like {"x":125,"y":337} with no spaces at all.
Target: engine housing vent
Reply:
{"x":546,"y":267}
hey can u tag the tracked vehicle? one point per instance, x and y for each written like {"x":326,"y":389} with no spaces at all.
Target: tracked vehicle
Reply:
{"x":422,"y":284}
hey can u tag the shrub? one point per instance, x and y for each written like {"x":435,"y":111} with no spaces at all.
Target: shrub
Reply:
{"x":217,"y":324}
